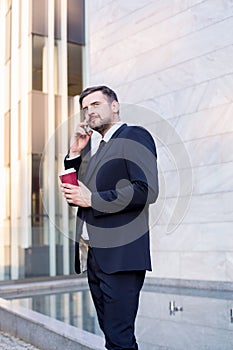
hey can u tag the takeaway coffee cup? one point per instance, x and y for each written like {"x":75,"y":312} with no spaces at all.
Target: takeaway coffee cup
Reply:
{"x":69,"y":177}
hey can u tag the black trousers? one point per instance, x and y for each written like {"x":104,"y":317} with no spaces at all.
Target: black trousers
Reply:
{"x":116,"y":298}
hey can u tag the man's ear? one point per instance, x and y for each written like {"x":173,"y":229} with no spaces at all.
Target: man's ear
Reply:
{"x":115,"y":106}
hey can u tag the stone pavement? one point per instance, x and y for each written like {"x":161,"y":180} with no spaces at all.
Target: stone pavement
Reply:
{"x":8,"y":342}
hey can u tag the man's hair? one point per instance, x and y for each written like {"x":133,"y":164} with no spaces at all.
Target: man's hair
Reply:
{"x":111,"y":95}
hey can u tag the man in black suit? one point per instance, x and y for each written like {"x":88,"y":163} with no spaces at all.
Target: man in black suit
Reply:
{"x":113,"y":198}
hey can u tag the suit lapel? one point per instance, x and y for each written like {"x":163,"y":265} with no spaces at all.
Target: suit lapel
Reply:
{"x":97,"y":157}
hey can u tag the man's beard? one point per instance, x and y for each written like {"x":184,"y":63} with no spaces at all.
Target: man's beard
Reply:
{"x":100,"y":128}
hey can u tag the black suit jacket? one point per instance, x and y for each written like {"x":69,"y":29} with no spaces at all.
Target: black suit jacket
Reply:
{"x":123,"y":180}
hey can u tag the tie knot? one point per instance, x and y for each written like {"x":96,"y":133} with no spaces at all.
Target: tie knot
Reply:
{"x":102,"y":143}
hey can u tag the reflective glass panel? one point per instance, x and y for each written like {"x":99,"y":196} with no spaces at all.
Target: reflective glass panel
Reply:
{"x":75,"y":21}
{"x":74,"y":69}
{"x":38,"y":55}
{"x":40,"y":17}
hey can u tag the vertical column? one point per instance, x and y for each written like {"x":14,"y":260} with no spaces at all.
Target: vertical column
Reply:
{"x":25,"y":162}
{"x":64,"y":131}
{"x":50,"y":134}
{"x":86,"y":48}
{"x":52,"y":305}
{"x":78,"y":307}
{"x":95,"y":139}
{"x":66,"y":307}
{"x":2,"y":103}
{"x":14,"y":153}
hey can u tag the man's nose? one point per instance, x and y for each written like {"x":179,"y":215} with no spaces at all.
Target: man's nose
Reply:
{"x":90,"y":111}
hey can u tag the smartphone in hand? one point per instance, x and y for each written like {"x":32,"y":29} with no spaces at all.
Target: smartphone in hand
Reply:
{"x":87,"y":129}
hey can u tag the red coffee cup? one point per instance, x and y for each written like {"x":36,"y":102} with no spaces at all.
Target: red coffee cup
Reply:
{"x":69,"y":176}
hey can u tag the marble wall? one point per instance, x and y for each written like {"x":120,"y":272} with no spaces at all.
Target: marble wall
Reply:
{"x":174,"y":58}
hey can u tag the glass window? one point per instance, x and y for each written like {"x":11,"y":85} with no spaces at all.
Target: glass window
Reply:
{"x":35,"y":187}
{"x":37,"y":207}
{"x":58,"y":116}
{"x":57,"y":19}
{"x":39,"y":114}
{"x":40,"y":17}
{"x":37,"y":255}
{"x":38,"y":52}
{"x":74,"y":69}
{"x":75,"y":21}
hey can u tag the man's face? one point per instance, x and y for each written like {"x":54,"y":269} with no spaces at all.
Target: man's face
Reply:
{"x":98,"y":112}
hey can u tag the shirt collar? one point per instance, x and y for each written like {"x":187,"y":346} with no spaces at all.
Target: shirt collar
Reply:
{"x":111,"y":131}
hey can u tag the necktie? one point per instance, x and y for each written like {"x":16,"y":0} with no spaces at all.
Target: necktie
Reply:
{"x":94,"y":160}
{"x":101,"y":145}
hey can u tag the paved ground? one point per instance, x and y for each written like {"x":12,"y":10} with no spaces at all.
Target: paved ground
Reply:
{"x":8,"y":342}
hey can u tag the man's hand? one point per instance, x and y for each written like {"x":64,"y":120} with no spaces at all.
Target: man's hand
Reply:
{"x":79,"y":195}
{"x":79,"y":140}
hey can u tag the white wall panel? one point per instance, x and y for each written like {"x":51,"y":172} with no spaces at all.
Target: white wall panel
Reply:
{"x":175,"y":58}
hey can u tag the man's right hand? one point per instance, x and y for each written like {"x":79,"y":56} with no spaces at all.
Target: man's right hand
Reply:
{"x":79,"y":140}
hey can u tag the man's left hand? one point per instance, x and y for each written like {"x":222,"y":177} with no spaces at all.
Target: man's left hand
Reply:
{"x":79,"y":195}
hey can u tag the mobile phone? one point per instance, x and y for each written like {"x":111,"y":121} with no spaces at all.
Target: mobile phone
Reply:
{"x":87,"y":129}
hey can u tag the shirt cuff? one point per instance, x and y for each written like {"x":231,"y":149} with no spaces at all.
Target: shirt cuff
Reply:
{"x":70,"y":158}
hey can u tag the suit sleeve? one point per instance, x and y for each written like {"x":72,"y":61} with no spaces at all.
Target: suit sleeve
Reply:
{"x":73,"y":163}
{"x":141,"y":186}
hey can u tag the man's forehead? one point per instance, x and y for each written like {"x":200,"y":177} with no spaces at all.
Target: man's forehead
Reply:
{"x":94,"y":97}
